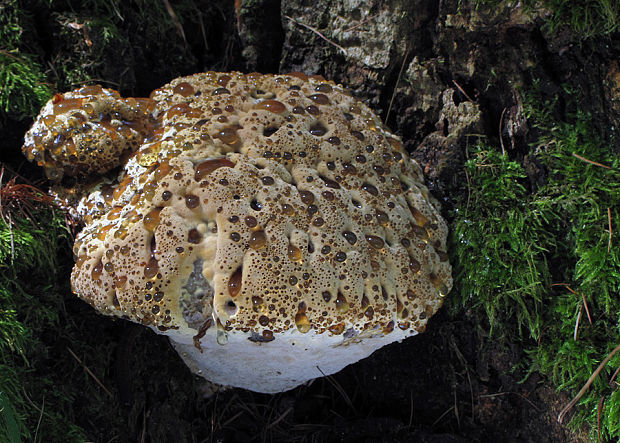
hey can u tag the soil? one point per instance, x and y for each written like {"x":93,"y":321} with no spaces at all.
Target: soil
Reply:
{"x":437,"y":72}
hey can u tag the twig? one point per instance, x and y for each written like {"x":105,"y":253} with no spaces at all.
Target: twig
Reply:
{"x":231,"y":419}
{"x":400,"y":73}
{"x":442,"y":416}
{"x":599,"y":409}
{"x":583,"y":297}
{"x":613,"y":377}
{"x":175,"y":21}
{"x":361,"y":23}
{"x":462,"y":90}
{"x":510,"y":392}
{"x":280,"y":418}
{"x":338,"y":388}
{"x":577,"y":323}
{"x":468,"y":192}
{"x":587,"y":385}
{"x":590,"y":161}
{"x":90,"y":372}
{"x":610,"y":232}
{"x":410,"y":409}
{"x":318,"y":33}
{"x":36,"y":432}
{"x":501,"y":139}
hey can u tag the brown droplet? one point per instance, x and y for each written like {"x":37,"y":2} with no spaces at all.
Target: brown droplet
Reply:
{"x":184,"y":89}
{"x":389,"y":327}
{"x":97,"y":270}
{"x":258,"y":240}
{"x":192,"y":201}
{"x":318,"y":129}
{"x":323,"y":87}
{"x":228,"y":136}
{"x":151,"y":269}
{"x":307,"y":197}
{"x":301,"y":319}
{"x":294,"y":253}
{"x":334,"y":140}
{"x":234,"y":283}
{"x":263,"y":320}
{"x":414,"y":265}
{"x":329,"y":182}
{"x":318,"y":222}
{"x":439,"y":284}
{"x":370,"y":189}
{"x":420,"y":218}
{"x":340,"y":256}
{"x":206,"y":167}
{"x":271,"y":105}
{"x":220,"y":91}
{"x":369,"y":313}
{"x":326,"y":296}
{"x":320,"y":99}
{"x":194,"y":236}
{"x":250,"y":221}
{"x":288,"y":209}
{"x":375,"y":242}
{"x":267,"y":335}
{"x":342,"y":305}
{"x":350,"y":237}
{"x":336,"y":329}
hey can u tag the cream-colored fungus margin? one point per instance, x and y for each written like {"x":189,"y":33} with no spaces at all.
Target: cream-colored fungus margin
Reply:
{"x":269,"y":224}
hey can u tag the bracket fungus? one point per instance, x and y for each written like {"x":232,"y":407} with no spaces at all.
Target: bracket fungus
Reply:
{"x":270,"y":225}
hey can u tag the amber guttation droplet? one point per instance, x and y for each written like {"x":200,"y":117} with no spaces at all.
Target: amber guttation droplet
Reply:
{"x":323,"y":87}
{"x":228,"y":136}
{"x":336,"y":329}
{"x":420,"y":218}
{"x":320,"y":99}
{"x":162,"y":170}
{"x":97,"y":270}
{"x":389,"y":327}
{"x":151,"y":220}
{"x":250,"y":221}
{"x":414,"y":265}
{"x":438,"y":284}
{"x":329,"y":182}
{"x":294,"y":253}
{"x":375,"y":242}
{"x":370,"y":189}
{"x":107,"y":192}
{"x":369,"y":313}
{"x":234,"y":283}
{"x":67,"y":104}
{"x":271,"y":105}
{"x":208,"y":166}
{"x":119,"y":281}
{"x":194,"y":236}
{"x":184,"y":89}
{"x":257,"y":303}
{"x":152,"y":268}
{"x":307,"y":197}
{"x":288,"y":209}
{"x":258,"y":240}
{"x":326,"y":296}
{"x":318,"y":129}
{"x":301,"y":319}
{"x":220,"y":91}
{"x":267,"y":335}
{"x":342,"y":305}
{"x":192,"y":201}
{"x":263,"y":320}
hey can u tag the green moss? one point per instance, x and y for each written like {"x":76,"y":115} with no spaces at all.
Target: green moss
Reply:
{"x":585,"y":18}
{"x":510,"y":244}
{"x":31,"y":298}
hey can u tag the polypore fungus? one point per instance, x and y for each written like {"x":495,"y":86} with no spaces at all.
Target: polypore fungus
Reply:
{"x":270,"y":225}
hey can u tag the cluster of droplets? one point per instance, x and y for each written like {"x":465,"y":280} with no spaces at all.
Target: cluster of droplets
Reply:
{"x":302,"y":209}
{"x":88,"y":131}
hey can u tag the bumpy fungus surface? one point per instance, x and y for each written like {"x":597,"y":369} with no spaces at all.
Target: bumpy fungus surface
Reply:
{"x":269,"y":224}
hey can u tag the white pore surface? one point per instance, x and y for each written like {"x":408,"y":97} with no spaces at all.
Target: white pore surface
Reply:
{"x":282,"y":364}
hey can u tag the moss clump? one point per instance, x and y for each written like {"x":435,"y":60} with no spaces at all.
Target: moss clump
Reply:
{"x":585,"y":18}
{"x":529,"y":258}
{"x":23,"y":86}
